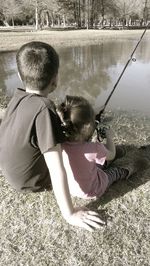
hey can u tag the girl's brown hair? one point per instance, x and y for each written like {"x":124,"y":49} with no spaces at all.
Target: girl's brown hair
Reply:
{"x":78,"y":118}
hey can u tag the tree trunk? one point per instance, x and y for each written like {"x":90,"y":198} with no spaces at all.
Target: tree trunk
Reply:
{"x":36,"y":16}
{"x":145,"y":12}
{"x":64,"y":21}
{"x":52,"y":19}
{"x":92,"y":14}
{"x":58,"y":21}
{"x":79,"y":14}
{"x":47,"y":19}
{"x":103,"y":13}
{"x":75,"y":13}
{"x":110,"y":22}
{"x":124,"y":22}
{"x":84,"y":15}
{"x":88,"y":15}
{"x":12,"y":21}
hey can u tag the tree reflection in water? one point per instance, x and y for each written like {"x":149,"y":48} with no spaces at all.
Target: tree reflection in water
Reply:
{"x":91,"y":71}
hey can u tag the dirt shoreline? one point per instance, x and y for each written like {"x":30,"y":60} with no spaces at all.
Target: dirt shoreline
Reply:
{"x":11,"y":41}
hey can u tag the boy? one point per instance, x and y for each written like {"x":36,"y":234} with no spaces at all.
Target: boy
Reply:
{"x":30,"y":134}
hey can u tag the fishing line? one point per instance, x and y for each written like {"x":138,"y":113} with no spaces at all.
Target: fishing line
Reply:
{"x":131,"y":58}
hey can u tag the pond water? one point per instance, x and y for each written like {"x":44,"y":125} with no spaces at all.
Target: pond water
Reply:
{"x":92,"y":71}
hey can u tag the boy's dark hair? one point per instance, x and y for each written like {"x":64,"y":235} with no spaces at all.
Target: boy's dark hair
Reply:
{"x":78,"y":118}
{"x":37,"y":64}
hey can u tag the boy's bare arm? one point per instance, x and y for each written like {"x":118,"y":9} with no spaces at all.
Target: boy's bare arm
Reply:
{"x":81,"y":216}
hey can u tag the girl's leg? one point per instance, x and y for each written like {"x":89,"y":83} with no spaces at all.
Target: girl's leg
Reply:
{"x":116,"y":173}
{"x":120,"y":152}
{"x":125,"y":169}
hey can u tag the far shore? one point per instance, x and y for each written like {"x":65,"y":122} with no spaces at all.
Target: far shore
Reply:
{"x":12,"y":40}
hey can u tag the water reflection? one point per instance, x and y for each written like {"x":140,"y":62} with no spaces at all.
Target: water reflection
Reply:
{"x":92,"y":71}
{"x":83,"y":72}
{"x":8,"y":74}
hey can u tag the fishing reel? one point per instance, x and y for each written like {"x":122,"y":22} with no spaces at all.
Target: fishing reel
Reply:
{"x":101,"y":129}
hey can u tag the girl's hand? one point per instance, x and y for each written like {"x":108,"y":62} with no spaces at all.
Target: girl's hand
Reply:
{"x":86,"y":219}
{"x":109,"y":133}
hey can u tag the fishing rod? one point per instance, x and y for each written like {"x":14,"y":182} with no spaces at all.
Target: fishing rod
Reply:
{"x":98,"y":116}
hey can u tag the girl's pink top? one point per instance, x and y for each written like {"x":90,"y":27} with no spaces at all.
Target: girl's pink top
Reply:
{"x":85,"y":178}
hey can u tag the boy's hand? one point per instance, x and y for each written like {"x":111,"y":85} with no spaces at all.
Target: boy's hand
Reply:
{"x":86,"y":219}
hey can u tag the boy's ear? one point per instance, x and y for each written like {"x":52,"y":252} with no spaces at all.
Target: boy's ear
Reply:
{"x":53,"y":83}
{"x":55,"y":80}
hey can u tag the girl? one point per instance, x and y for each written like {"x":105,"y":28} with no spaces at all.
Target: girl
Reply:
{"x":84,"y":159}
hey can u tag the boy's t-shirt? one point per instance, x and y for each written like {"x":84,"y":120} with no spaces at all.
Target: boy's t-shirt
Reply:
{"x":29,"y":129}
{"x":85,"y":178}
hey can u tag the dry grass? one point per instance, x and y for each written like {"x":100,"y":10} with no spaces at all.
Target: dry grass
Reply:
{"x":34,"y":233}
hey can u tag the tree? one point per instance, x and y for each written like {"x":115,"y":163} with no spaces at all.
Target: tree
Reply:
{"x":82,"y":13}
{"x":71,"y":9}
{"x":36,"y":7}
{"x":10,"y":9}
{"x":126,"y":9}
{"x":146,"y":11}
{"x":52,"y":12}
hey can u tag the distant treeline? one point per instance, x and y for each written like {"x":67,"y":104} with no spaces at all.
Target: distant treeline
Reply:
{"x":75,"y":13}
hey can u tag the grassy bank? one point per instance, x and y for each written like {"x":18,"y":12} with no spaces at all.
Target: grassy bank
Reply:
{"x":33,"y":231}
{"x":10,"y":41}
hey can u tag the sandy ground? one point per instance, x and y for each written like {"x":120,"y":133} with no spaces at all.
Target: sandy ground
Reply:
{"x":10,"y":41}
